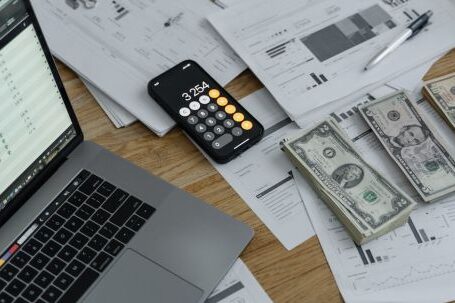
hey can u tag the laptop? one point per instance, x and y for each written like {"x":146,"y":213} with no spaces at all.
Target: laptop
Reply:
{"x":80,"y":224}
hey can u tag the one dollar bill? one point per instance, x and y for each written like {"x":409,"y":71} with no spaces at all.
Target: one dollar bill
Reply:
{"x":440,"y":92}
{"x":362,"y":199}
{"x":413,"y":145}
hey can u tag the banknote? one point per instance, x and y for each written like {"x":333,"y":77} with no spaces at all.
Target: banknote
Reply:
{"x":440,"y":92}
{"x":413,"y":145}
{"x":363,"y":200}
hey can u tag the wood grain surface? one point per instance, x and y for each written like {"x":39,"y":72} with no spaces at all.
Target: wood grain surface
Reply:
{"x":300,"y":275}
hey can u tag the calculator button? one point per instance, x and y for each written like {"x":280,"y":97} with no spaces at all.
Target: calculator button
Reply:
{"x":210,"y":121}
{"x":222,"y":101}
{"x":238,"y":117}
{"x":192,"y":120}
{"x":219,"y":130}
{"x":222,"y":141}
{"x":195,"y":105}
{"x":247,"y":125}
{"x":228,"y":123}
{"x":204,"y":99}
{"x":209,"y":136}
{"x":220,"y":115}
{"x":214,"y":93}
{"x":202,"y":114}
{"x":237,"y":131}
{"x":212,"y":107}
{"x":230,"y":109}
{"x":184,"y":112}
{"x":200,"y":128}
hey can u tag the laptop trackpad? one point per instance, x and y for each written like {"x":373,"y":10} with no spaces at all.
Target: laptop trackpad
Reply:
{"x":136,"y":279}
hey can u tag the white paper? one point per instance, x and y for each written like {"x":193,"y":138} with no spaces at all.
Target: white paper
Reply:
{"x":311,"y":53}
{"x":261,"y":175}
{"x":239,"y":286}
{"x":119,"y":116}
{"x":413,"y":263}
{"x":120,"y":45}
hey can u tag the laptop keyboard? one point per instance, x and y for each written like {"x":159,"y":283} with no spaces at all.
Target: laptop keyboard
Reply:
{"x":71,"y":243}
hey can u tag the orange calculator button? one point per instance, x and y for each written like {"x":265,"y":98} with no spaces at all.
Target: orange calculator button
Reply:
{"x":247,"y":125}
{"x":238,"y":117}
{"x":214,"y":93}
{"x":222,"y":101}
{"x":230,"y":109}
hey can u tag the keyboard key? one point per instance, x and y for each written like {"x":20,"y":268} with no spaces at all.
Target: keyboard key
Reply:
{"x":20,"y":259}
{"x":2,"y":284}
{"x":114,"y":201}
{"x":32,"y":292}
{"x":44,"y":279}
{"x":114,"y":247}
{"x":109,"y":230}
{"x":44,"y":234}
{"x":90,"y":228}
{"x":21,"y":300}
{"x":51,"y":294}
{"x":32,"y":247}
{"x":135,"y":223}
{"x":85,"y":212}
{"x":124,"y":235}
{"x":5,"y":298}
{"x":63,"y":236}
{"x":56,"y":266}
{"x":15,"y":287}
{"x":67,"y":253}
{"x":97,"y":242}
{"x":77,"y":198}
{"x":86,"y":255}
{"x":102,"y":261}
{"x":80,"y":286}
{"x":51,"y":248}
{"x":96,"y":200}
{"x":8,"y":272}
{"x":78,"y":241}
{"x":74,"y":223}
{"x":63,"y":281}
{"x":106,"y":189}
{"x":39,"y":261}
{"x":55,"y":222}
{"x":91,"y":185}
{"x":100,"y":216}
{"x":145,"y":211}
{"x":127,"y":209}
{"x":75,"y":268}
{"x":66,"y":210}
{"x":27,"y":274}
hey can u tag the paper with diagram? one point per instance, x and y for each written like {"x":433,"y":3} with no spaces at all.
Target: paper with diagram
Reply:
{"x":239,"y":286}
{"x":311,"y":53}
{"x":120,"y":45}
{"x":262,"y":175}
{"x":414,"y":263}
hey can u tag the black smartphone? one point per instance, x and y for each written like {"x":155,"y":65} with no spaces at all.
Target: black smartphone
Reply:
{"x":205,"y":111}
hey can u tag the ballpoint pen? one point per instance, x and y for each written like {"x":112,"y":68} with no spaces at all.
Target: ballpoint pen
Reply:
{"x":413,"y":29}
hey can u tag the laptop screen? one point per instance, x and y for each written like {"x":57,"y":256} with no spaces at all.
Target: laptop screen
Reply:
{"x":34,"y":121}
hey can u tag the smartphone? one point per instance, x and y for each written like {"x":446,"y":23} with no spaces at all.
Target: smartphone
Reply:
{"x":205,"y":111}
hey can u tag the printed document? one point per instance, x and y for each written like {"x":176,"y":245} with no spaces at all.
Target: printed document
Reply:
{"x":415,"y":262}
{"x":262,"y":175}
{"x":120,"y":45}
{"x":312,"y":53}
{"x":239,"y":286}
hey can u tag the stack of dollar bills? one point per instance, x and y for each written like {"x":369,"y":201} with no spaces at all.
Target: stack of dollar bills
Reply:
{"x":440,"y":92}
{"x":414,"y":144}
{"x":362,"y":199}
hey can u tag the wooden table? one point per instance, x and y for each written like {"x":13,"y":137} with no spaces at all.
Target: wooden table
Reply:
{"x":300,"y":275}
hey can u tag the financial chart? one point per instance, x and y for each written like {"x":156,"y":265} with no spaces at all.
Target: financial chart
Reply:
{"x":32,"y":110}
